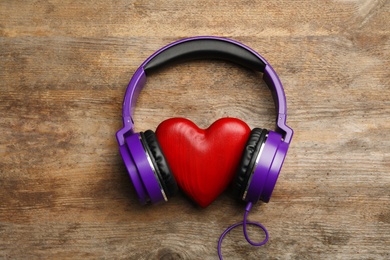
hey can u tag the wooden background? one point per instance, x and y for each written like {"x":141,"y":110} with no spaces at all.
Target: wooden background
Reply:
{"x":64,"y":67}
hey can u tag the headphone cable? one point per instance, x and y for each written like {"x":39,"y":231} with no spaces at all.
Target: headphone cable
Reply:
{"x":244,"y":223}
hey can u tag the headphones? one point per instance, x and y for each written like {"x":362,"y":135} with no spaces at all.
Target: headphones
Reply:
{"x":264,"y":151}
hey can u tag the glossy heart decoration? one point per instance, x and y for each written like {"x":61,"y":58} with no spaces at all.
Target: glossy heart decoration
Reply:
{"x":203,"y":161}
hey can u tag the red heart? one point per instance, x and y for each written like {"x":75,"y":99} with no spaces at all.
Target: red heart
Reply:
{"x":203,"y":161}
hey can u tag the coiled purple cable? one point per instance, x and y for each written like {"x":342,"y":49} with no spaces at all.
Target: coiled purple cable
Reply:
{"x":244,"y":223}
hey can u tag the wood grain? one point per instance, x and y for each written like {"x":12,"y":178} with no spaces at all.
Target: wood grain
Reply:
{"x":64,"y":67}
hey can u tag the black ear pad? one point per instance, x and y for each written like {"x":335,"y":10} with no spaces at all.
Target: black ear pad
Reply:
{"x":248,"y":160}
{"x":163,"y":171}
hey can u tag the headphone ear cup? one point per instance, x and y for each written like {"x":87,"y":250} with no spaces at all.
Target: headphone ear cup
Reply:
{"x":163,"y":171}
{"x":248,"y":161}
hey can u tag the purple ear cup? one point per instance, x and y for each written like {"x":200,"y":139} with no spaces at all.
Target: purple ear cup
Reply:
{"x":260,"y":165}
{"x":144,"y":172}
{"x":265,"y":171}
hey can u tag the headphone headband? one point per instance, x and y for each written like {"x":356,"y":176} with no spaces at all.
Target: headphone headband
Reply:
{"x":205,"y":47}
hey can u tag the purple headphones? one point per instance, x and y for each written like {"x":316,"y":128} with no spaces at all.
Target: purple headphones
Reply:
{"x":264,"y":152}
